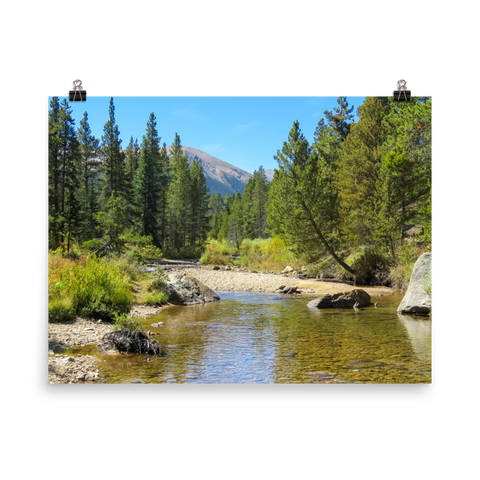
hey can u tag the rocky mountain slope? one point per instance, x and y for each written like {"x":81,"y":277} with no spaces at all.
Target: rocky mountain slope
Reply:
{"x":221,"y":176}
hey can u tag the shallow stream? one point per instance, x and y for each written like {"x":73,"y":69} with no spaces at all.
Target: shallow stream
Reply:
{"x":268,"y":338}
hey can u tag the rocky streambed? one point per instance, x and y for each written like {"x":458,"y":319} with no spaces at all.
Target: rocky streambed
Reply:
{"x":80,"y":332}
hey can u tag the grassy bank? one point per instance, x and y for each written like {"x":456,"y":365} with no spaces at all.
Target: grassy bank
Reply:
{"x":99,"y":287}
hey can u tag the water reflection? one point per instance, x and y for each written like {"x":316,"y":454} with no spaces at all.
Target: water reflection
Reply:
{"x":263,"y":338}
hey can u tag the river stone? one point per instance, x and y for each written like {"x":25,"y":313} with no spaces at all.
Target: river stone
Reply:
{"x":341,"y":300}
{"x":187,"y":290}
{"x":416,"y":300}
{"x":287,"y":269}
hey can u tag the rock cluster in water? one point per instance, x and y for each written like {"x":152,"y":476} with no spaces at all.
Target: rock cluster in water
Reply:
{"x":356,"y":297}
{"x":187,"y":290}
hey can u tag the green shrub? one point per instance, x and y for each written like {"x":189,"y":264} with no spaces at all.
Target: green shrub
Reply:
{"x":159,"y":280}
{"x":369,"y":264}
{"x":60,"y":310}
{"x":209,"y":258}
{"x":96,"y":285}
{"x":218,"y":253}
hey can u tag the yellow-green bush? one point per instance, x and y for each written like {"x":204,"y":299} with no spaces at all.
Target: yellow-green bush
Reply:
{"x":60,"y":309}
{"x":89,"y":286}
{"x":218,"y":253}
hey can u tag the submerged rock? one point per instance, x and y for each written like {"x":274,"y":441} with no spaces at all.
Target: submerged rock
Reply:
{"x":417,"y":301}
{"x":125,"y":341}
{"x":187,"y":290}
{"x":341,"y":300}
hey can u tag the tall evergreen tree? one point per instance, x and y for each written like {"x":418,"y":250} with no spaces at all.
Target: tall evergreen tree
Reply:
{"x":259,"y":204}
{"x":113,"y":165}
{"x":359,"y":170}
{"x":403,"y":188}
{"x":163,"y":198}
{"x":295,"y":210}
{"x":248,"y":225}
{"x":54,"y":172}
{"x":70,"y":204}
{"x":89,"y":165}
{"x":328,"y":148}
{"x":199,"y":205}
{"x":235,"y":233}
{"x":178,"y":197}
{"x":340,"y":121}
{"x":131,"y":166}
{"x":254,"y":200}
{"x":215,"y":209}
{"x":113,"y":221}
{"x":147,"y":182}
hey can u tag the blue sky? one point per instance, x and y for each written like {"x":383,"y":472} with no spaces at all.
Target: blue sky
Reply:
{"x":243,"y":131}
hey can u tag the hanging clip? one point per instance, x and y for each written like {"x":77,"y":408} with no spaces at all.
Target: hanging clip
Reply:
{"x":402,"y":94}
{"x":78,"y":94}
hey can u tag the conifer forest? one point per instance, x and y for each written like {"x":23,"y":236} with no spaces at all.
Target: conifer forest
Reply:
{"x":355,"y":202}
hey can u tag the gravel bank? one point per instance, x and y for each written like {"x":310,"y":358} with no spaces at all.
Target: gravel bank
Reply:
{"x":80,"y":332}
{"x":237,"y":280}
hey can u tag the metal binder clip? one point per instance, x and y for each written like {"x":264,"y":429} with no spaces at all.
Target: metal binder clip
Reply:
{"x":402,"y":94}
{"x":78,"y":94}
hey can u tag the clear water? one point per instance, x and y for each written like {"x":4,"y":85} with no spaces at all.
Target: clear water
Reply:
{"x":265,"y":338}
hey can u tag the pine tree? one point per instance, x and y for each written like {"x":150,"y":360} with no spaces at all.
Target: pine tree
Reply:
{"x":248,"y":225}
{"x":298,"y":216}
{"x":340,"y":121}
{"x":163,"y":198}
{"x":113,"y":221}
{"x":178,"y":197}
{"x":113,"y":166}
{"x":199,"y":205}
{"x":147,"y":183}
{"x":89,"y":165}
{"x":224,"y":221}
{"x":54,"y":172}
{"x":359,"y":170}
{"x":215,"y":209}
{"x":328,"y":148}
{"x":70,"y":204}
{"x":260,"y":199}
{"x":131,"y":166}
{"x":235,"y":233}
{"x":403,"y":188}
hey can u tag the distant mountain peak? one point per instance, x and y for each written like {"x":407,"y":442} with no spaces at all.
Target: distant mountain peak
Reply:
{"x":221,"y":176}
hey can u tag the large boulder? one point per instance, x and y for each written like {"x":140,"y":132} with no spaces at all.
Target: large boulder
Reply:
{"x":341,"y":300}
{"x":417,"y":301}
{"x":187,"y":290}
